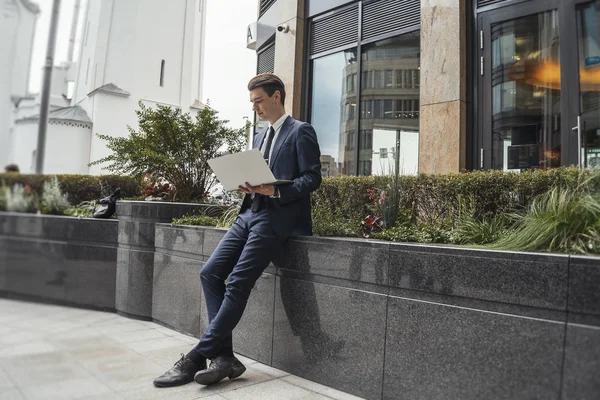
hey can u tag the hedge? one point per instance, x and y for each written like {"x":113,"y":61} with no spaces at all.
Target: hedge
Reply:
{"x":79,"y":188}
{"x":434,"y":201}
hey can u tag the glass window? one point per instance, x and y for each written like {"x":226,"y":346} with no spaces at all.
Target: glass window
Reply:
{"x":389,"y":140}
{"x":377,"y":110}
{"x":388,"y":78}
{"x":378,"y":77}
{"x":588,"y":18}
{"x":388,"y":109}
{"x":329,"y":99}
{"x":399,"y":80}
{"x":526,"y":100}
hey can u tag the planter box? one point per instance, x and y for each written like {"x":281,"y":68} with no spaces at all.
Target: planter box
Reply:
{"x":387,"y":321}
{"x":62,"y":259}
{"x":376,"y":319}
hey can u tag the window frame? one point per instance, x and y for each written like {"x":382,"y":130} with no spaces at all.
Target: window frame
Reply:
{"x":359,"y":85}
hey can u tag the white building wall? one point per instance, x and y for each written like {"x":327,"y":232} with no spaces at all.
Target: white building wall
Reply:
{"x":65,"y":148}
{"x":84,"y":83}
{"x":111,"y":116}
{"x":66,"y":143}
{"x":23,"y":146}
{"x":17,"y":28}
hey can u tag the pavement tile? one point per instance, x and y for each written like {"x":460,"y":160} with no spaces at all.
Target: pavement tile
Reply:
{"x":186,"y":392}
{"x":104,"y":396}
{"x":35,"y":347}
{"x":82,"y":354}
{"x":136,"y":336}
{"x":39,"y":370}
{"x":155,"y":344}
{"x":67,"y":390}
{"x":5,"y":381}
{"x":275,"y":373}
{"x":315,"y":396}
{"x":337,"y":395}
{"x":167,"y":357}
{"x":11,"y":394}
{"x":306,"y":384}
{"x":275,"y":389}
{"x":250,"y":377}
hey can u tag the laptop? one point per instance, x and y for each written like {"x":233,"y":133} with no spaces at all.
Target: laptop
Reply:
{"x":249,"y":166}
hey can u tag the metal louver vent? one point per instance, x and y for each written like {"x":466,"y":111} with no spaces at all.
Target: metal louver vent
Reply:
{"x":265,"y":5}
{"x":387,"y":16}
{"x":266,"y":60}
{"x":483,"y":3}
{"x":334,"y":31}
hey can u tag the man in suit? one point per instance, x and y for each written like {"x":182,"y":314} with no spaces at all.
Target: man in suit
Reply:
{"x":268,"y":216}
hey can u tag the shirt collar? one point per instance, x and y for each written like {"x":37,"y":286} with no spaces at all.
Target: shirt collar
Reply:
{"x":279,"y":122}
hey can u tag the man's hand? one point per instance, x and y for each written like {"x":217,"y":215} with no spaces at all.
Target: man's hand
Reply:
{"x":267,"y":190}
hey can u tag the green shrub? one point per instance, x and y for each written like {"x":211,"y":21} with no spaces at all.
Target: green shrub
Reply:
{"x":53,"y":200}
{"x":172,"y":148}
{"x":196,"y":220}
{"x":79,"y":188}
{"x":474,"y":208}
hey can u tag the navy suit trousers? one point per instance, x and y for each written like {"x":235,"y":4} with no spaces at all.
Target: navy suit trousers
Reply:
{"x":242,"y":255}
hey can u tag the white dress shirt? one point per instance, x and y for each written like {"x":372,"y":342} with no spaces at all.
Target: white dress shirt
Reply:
{"x":277,"y":127}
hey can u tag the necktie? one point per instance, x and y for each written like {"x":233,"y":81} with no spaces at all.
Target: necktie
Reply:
{"x":256,"y":198}
{"x":269,"y":143}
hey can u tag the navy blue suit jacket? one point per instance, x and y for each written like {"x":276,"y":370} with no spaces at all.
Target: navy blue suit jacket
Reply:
{"x":296,"y":156}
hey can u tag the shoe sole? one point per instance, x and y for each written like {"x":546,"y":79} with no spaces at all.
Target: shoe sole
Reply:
{"x":167,"y":385}
{"x":211,"y":377}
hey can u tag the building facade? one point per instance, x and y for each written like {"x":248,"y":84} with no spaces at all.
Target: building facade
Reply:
{"x":439,"y":86}
{"x":17,"y":28}
{"x":131,"y":51}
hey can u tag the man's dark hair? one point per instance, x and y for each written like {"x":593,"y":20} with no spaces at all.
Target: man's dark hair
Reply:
{"x":12,"y":168}
{"x":270,"y":84}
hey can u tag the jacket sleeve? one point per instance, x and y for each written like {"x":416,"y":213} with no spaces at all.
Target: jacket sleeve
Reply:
{"x":309,"y":164}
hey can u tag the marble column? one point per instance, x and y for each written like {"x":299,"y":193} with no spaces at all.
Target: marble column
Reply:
{"x":443,"y":118}
{"x":289,"y":52}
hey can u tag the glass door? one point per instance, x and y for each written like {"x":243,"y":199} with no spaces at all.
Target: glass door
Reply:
{"x":520,"y":97}
{"x":585,"y":137}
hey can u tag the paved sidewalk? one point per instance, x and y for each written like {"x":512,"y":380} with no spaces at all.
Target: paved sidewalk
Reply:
{"x":53,"y":352}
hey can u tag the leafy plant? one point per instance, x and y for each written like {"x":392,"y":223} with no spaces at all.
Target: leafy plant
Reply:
{"x":172,"y":147}
{"x":196,"y":220}
{"x":20,"y":199}
{"x":561,"y":220}
{"x":82,"y":210}
{"x":53,"y":200}
{"x":229,"y":216}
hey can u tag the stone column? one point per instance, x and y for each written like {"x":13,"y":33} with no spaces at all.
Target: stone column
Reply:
{"x":135,"y":259}
{"x":443,"y":117}
{"x":289,"y":52}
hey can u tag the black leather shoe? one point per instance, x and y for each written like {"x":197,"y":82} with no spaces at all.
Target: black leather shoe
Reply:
{"x":220,"y":368}
{"x":182,"y":372}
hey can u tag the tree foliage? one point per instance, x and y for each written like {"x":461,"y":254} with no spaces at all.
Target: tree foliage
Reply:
{"x":172,"y":146}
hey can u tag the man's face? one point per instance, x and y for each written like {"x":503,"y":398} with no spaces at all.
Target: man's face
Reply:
{"x":264,"y":105}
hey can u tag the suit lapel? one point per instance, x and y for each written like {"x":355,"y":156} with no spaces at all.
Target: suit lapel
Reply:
{"x":281,"y":138}
{"x":258,"y":139}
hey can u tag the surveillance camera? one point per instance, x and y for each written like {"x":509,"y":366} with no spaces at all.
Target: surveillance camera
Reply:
{"x":285,"y":28}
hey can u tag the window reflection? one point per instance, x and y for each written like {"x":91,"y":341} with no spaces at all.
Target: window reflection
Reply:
{"x":588,"y":18}
{"x":526,"y":95}
{"x":334,"y":110}
{"x":389,"y":118}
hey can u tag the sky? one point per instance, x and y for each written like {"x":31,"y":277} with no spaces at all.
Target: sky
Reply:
{"x":228,"y":65}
